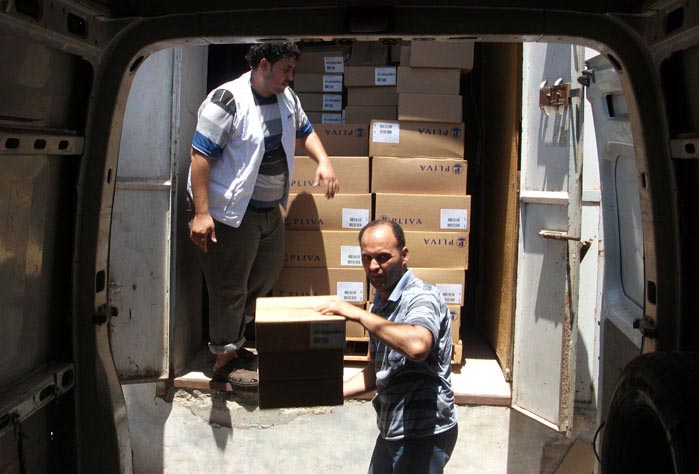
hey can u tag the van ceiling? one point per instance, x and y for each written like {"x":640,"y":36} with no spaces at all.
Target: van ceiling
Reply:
{"x":139,"y":8}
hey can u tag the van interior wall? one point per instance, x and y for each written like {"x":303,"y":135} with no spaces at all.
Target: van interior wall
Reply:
{"x":495,"y":187}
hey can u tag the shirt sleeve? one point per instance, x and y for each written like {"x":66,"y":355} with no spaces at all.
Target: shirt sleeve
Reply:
{"x":215,"y":124}
{"x":303,"y":125}
{"x":424,"y":310}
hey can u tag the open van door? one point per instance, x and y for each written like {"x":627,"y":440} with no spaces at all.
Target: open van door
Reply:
{"x":549,"y":240}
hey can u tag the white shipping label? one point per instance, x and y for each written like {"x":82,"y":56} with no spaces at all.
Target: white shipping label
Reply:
{"x":384,"y":132}
{"x":350,"y":290}
{"x":354,"y":218}
{"x":453,"y":219}
{"x":452,"y":292}
{"x":334,"y":64}
{"x":334,"y":119}
{"x":327,"y":336}
{"x":385,"y":76}
{"x":350,"y":255}
{"x":332,"y":102}
{"x":332,"y":83}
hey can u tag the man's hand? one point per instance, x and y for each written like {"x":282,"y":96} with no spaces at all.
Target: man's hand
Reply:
{"x":341,"y":308}
{"x":326,"y":174}
{"x":202,"y":229}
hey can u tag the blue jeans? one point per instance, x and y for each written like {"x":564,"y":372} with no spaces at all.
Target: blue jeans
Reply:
{"x":413,"y":455}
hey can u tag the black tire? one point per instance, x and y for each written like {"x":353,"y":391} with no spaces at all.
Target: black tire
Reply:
{"x":653,"y":420}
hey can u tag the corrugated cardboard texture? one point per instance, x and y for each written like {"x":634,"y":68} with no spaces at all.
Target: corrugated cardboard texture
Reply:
{"x":316,"y":212}
{"x":416,"y":139}
{"x":350,"y":139}
{"x":300,"y":393}
{"x":351,"y":171}
{"x":438,"y":249}
{"x":326,"y":61}
{"x":367,"y":113}
{"x":321,"y":101}
{"x":442,"y":54}
{"x":418,"y":175}
{"x":348,"y":284}
{"x":363,"y":76}
{"x":369,"y":53}
{"x":316,"y":82}
{"x":419,"y":80}
{"x":295,"y":365}
{"x":425,"y":212}
{"x":372,"y":96}
{"x":322,"y":248}
{"x":430,"y":108}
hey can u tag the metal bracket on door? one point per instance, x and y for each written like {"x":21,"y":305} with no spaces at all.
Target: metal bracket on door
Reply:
{"x":557,"y":235}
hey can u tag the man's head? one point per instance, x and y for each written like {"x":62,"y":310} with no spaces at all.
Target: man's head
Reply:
{"x":272,"y":66}
{"x":384,"y":255}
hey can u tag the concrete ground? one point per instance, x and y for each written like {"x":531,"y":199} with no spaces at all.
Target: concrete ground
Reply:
{"x":191,"y":431}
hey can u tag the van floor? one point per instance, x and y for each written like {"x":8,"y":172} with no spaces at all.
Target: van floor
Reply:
{"x":477,"y":381}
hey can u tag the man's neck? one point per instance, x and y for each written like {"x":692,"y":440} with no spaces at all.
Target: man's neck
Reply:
{"x":255,"y":83}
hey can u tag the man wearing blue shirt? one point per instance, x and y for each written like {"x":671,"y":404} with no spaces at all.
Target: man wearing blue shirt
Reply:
{"x":242,"y":161}
{"x":410,"y":358}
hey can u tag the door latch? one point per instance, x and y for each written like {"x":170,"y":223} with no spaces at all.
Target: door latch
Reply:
{"x":556,"y":95}
{"x":557,"y":235}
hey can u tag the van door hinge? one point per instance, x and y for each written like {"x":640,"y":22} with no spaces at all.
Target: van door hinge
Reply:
{"x":105,"y":312}
{"x":646,"y":326}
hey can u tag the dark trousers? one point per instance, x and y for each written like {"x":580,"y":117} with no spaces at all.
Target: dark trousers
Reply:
{"x":244,"y":264}
{"x":413,"y":455}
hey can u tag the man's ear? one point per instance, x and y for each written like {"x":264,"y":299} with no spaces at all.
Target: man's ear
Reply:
{"x":264,"y":65}
{"x":405,"y":255}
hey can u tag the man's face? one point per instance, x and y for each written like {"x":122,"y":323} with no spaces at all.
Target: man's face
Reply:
{"x":277,"y":77}
{"x":384,"y":262}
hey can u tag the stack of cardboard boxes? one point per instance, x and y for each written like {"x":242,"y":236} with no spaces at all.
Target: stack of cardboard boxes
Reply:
{"x":371,"y":84}
{"x":409,"y":170}
{"x":318,"y":82}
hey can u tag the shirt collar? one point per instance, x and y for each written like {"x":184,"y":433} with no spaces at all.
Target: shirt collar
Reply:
{"x":397,"y":291}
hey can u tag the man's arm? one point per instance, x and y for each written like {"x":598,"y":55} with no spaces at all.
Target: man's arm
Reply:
{"x":203,"y":223}
{"x":325,"y":171}
{"x":362,"y":382}
{"x":411,"y":340}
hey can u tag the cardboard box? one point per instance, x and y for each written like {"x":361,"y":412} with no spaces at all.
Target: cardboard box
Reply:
{"x":451,"y":282}
{"x":316,"y":212}
{"x":372,"y":96}
{"x":416,"y":139}
{"x":354,"y":330}
{"x":322,"y":248}
{"x":430,"y":108}
{"x":455,"y":312}
{"x":442,"y":54}
{"x":369,"y":53}
{"x":348,"y":284}
{"x":300,"y":353}
{"x":322,"y":61}
{"x":405,"y":56}
{"x":350,"y":139}
{"x":438,"y":249}
{"x":425,"y":212}
{"x":362,"y":76}
{"x":418,"y":175}
{"x":351,"y":171}
{"x":315,"y":82}
{"x":325,"y":118}
{"x":419,"y":80}
{"x":320,"y":102}
{"x":367,"y":113}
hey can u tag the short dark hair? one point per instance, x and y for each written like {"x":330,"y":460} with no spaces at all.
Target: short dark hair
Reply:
{"x":395,"y":227}
{"x":273,"y":52}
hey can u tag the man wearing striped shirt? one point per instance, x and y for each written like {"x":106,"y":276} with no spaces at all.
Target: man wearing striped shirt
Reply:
{"x":410,"y":358}
{"x":242,"y":160}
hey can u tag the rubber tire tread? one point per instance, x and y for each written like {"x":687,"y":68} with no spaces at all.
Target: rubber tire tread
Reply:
{"x":653,"y":420}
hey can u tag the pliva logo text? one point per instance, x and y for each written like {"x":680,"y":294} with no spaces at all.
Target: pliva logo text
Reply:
{"x":451,"y":168}
{"x":442,"y":242}
{"x":358,"y":132}
{"x":454,"y":132}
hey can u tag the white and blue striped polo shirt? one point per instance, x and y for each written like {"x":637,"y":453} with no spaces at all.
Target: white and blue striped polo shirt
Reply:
{"x":414,"y":399}
{"x":215,"y":127}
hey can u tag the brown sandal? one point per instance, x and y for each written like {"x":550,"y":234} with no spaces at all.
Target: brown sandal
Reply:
{"x":240,"y":372}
